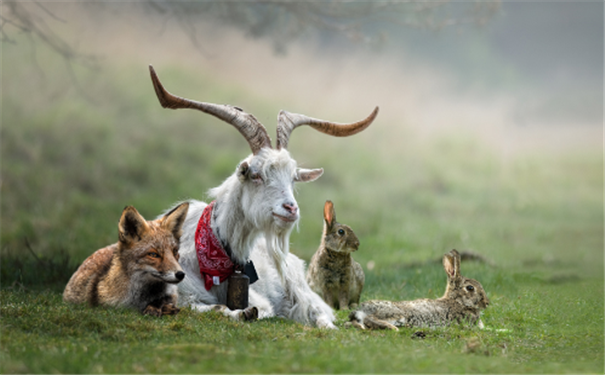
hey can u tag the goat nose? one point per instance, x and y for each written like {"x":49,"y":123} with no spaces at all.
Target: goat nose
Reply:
{"x":180,"y":275}
{"x":290,"y":207}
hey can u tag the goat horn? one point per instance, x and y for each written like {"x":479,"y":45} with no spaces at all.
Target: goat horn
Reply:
{"x":254,"y":132}
{"x":287,"y":122}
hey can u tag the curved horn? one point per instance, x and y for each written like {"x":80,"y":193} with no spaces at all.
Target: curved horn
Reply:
{"x":286,"y":122}
{"x":254,"y":132}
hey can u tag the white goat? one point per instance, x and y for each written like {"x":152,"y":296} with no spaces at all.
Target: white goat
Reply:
{"x":253,"y":214}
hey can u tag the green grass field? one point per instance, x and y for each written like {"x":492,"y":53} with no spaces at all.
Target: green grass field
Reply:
{"x":70,"y":163}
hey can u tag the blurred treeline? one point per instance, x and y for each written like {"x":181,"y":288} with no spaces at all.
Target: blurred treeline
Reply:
{"x":83,"y":136}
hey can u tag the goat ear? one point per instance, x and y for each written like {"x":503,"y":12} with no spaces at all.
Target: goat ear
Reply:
{"x":242,"y":171}
{"x":451,"y":265}
{"x":329,"y":214}
{"x":132,"y":226}
{"x":173,"y":220}
{"x":308,"y":175}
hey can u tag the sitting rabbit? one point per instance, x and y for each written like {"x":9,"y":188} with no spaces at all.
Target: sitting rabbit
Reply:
{"x":332,"y":273}
{"x":462,"y":302}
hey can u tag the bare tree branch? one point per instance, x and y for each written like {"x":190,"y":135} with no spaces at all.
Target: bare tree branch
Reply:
{"x":280,"y":21}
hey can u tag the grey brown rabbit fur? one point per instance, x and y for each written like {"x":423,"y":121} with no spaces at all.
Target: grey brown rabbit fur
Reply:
{"x":332,"y":273}
{"x":463,"y":301}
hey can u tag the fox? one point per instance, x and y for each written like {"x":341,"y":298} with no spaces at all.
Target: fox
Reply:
{"x":140,"y":271}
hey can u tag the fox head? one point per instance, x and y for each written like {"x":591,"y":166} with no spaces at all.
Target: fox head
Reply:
{"x":150,"y":249}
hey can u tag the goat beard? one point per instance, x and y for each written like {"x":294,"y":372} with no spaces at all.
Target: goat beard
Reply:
{"x":278,"y":246}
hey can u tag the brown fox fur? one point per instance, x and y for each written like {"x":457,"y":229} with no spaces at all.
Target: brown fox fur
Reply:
{"x":140,"y":271}
{"x":333,"y":274}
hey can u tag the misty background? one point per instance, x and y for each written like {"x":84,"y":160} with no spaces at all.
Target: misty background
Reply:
{"x":539,"y":63}
{"x":487,"y":109}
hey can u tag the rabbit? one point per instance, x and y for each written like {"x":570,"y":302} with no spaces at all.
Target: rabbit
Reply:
{"x":332,"y":273}
{"x":462,"y":302}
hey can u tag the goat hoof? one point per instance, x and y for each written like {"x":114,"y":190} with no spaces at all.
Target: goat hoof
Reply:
{"x":250,"y":314}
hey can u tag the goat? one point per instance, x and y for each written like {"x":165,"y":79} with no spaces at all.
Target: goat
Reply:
{"x":251,"y":218}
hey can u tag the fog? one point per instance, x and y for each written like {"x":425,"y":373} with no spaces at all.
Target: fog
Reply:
{"x":531,"y":77}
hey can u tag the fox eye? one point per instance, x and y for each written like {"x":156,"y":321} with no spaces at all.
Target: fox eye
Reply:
{"x":341,"y":232}
{"x":153,"y":255}
{"x":470,"y":288}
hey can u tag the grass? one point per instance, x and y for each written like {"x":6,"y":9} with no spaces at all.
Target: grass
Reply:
{"x":70,"y":166}
{"x":43,"y":335}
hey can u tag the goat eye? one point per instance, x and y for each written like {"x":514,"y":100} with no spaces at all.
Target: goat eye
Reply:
{"x":341,"y":232}
{"x":470,"y":288}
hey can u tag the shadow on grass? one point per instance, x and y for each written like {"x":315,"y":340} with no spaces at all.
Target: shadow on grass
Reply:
{"x":29,"y":270}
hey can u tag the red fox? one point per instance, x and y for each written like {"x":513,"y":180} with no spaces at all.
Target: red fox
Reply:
{"x":140,"y":271}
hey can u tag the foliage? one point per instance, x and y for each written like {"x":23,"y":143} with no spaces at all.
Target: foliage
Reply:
{"x":279,"y":21}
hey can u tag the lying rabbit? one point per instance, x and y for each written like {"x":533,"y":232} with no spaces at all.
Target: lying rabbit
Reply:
{"x":462,"y":302}
{"x":333,"y":274}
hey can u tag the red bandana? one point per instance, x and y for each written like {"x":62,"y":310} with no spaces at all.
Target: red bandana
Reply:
{"x":215,"y":264}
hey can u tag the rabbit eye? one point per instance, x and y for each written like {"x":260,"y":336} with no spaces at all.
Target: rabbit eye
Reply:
{"x":341,"y":232}
{"x":470,"y":288}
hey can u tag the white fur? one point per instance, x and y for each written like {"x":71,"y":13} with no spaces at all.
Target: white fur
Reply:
{"x":249,"y":218}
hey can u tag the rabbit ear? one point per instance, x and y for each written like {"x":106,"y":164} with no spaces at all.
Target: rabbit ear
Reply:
{"x":329,"y":214}
{"x":451,"y":264}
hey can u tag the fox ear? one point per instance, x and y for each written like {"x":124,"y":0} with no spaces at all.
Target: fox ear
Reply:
{"x":451,"y":264}
{"x":329,"y":214}
{"x":173,"y":220}
{"x":132,"y":226}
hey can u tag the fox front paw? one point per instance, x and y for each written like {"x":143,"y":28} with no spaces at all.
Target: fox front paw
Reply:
{"x":170,"y":309}
{"x":153,"y":311}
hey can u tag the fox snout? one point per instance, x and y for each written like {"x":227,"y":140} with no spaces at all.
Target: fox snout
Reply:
{"x":169,"y":277}
{"x":173,"y":277}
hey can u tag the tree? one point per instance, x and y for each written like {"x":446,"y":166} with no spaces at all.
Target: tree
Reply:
{"x":280,"y":21}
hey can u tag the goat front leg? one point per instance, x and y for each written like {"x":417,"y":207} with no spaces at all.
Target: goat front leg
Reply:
{"x":308,"y":307}
{"x":247,"y":314}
